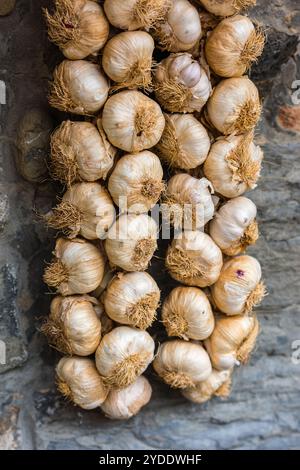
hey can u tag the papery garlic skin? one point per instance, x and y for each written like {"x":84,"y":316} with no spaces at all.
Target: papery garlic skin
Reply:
{"x":128,"y":402}
{"x":131,"y":242}
{"x":79,"y":380}
{"x":123,"y":355}
{"x":132,"y":121}
{"x":226,"y":7}
{"x":78,"y":87}
{"x":137,"y":182}
{"x":234,"y":227}
{"x":187,"y":313}
{"x":132,"y":299}
{"x":239,"y":287}
{"x":217,"y":384}
{"x":194,"y":259}
{"x":182,"y":364}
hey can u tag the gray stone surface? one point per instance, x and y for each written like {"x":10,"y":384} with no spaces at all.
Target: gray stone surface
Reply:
{"x":263,"y":409}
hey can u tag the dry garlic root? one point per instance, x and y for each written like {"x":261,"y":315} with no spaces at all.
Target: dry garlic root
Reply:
{"x":182,"y":364}
{"x":136,"y":182}
{"x":218,"y":384}
{"x":234,"y":226}
{"x":123,"y":355}
{"x":194,"y":259}
{"x":79,"y":381}
{"x":187,"y":313}
{"x":132,"y":121}
{"x":132,"y":299}
{"x":77,"y":268}
{"x":181,"y":85}
{"x":78,"y":87}
{"x":78,"y":27}
{"x":226,"y":7}
{"x":239,"y":287}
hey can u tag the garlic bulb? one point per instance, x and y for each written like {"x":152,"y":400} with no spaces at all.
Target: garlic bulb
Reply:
{"x":180,"y":30}
{"x":127,"y":402}
{"x":185,"y":142}
{"x":78,"y":87}
{"x":239,"y":287}
{"x":218,"y":384}
{"x":233,"y":46}
{"x":182,"y":364}
{"x":234,"y":226}
{"x":127,"y":59}
{"x":132,"y":299}
{"x":232,"y":341}
{"x":73,"y":326}
{"x":80,"y":151}
{"x":226,"y":7}
{"x":234,"y":107}
{"x":86,"y":209}
{"x":79,"y":381}
{"x":131,"y":242}
{"x":136,"y":182}
{"x":181,"y":85}
{"x":188,"y":201}
{"x":233,"y":164}
{"x":77,"y":268}
{"x":78,"y":27}
{"x":187,"y":313}
{"x":135,"y":14}
{"x":132,"y":121}
{"x":123,"y":355}
{"x":194,"y":259}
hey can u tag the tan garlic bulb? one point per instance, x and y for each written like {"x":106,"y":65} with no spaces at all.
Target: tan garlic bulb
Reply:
{"x":132,"y":299}
{"x":123,"y":355}
{"x":233,"y":164}
{"x":136,"y":182}
{"x":131,"y":242}
{"x":218,"y":384}
{"x":239,"y":287}
{"x":78,"y":27}
{"x":184,"y":143}
{"x":80,"y":151}
{"x":86,"y":209}
{"x":187,"y":313}
{"x":132,"y":121}
{"x":127,"y":402}
{"x":194,"y":259}
{"x":234,"y":226}
{"x":79,"y":381}
{"x":233,"y":46}
{"x":232,"y":341}
{"x":78,"y":87}
{"x":73,"y":326}
{"x":127,"y":59}
{"x":77,"y":268}
{"x":234,"y":107}
{"x":181,"y":85}
{"x":226,"y":7}
{"x":182,"y":364}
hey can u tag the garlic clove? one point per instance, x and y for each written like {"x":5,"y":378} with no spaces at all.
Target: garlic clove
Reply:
{"x":217,"y":384}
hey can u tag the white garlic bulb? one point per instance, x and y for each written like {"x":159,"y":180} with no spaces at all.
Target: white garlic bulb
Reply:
{"x":131,"y":242}
{"x":194,"y":259}
{"x":132,"y":121}
{"x":132,"y":299}
{"x":187,"y":313}
{"x":123,"y":355}
{"x":80,"y":151}
{"x":239,"y":287}
{"x":127,"y":402}
{"x":218,"y":384}
{"x":226,"y":7}
{"x":78,"y":27}
{"x":79,"y":381}
{"x":234,"y":226}
{"x":182,"y":364}
{"x":77,"y":268}
{"x":78,"y":87}
{"x":181,"y":85}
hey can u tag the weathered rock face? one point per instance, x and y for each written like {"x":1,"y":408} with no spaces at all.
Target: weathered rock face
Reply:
{"x":263,"y":410}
